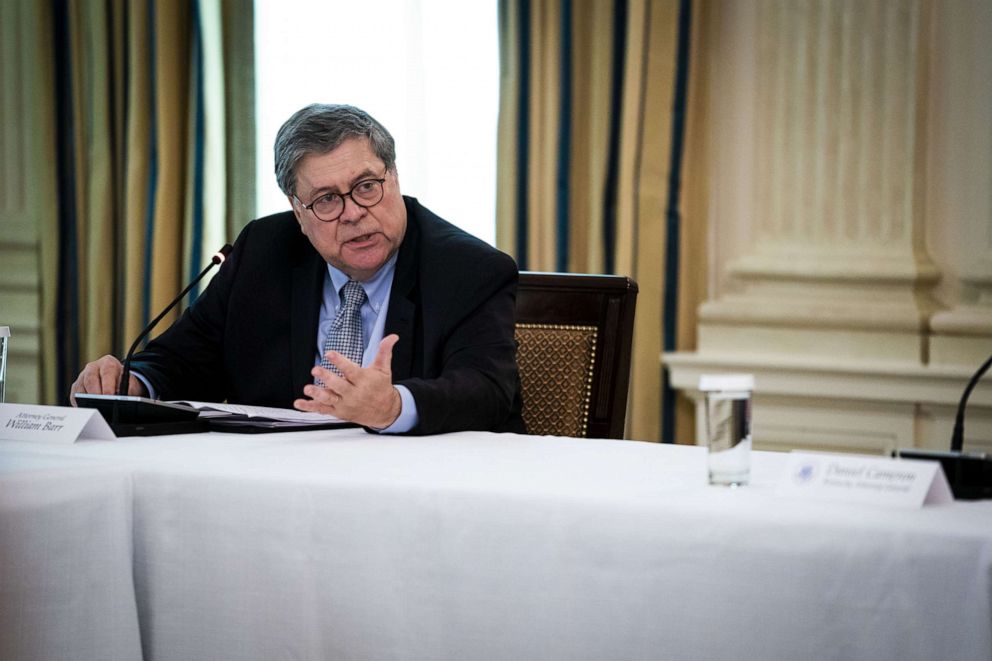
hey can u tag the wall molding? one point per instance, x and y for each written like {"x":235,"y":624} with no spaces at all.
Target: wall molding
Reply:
{"x":845,"y":405}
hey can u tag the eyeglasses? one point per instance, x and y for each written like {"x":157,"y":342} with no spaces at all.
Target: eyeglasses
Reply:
{"x":329,"y":206}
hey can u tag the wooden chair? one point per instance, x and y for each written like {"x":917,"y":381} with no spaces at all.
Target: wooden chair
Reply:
{"x":574,"y":335}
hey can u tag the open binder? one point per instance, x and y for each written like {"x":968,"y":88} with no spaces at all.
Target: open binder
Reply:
{"x":140,"y":416}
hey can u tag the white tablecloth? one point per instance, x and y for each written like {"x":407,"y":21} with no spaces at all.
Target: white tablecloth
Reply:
{"x":345,"y":545}
{"x":66,"y":584}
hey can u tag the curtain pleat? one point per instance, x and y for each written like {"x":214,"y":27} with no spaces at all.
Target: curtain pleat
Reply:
{"x":205,"y":228}
{"x":142,"y":122}
{"x":118,"y":43}
{"x":618,"y":62}
{"x":171,"y":58}
{"x":601,"y":77}
{"x":510,"y":133}
{"x":193,"y":212}
{"x":62,"y":283}
{"x":641,"y":217}
{"x":542,"y":153}
{"x":673,"y":215}
{"x":139,"y":164}
{"x":237,"y":23}
{"x":96,"y":157}
{"x":590,"y":120}
{"x":564,"y":157}
{"x":212,"y":231}
{"x":51,"y":218}
{"x":694,"y":264}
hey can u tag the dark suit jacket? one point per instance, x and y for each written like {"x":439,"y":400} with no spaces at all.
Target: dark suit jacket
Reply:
{"x":251,"y":337}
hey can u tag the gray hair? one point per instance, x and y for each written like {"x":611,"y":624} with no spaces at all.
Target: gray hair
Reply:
{"x":321,"y":128}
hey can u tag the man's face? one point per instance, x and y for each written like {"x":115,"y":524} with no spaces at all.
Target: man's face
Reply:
{"x":361,"y":240}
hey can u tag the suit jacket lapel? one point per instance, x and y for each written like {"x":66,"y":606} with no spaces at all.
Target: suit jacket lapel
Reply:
{"x":400,"y":317}
{"x":307,"y":289}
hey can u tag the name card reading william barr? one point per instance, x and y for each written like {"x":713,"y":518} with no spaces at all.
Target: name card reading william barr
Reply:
{"x":855,"y":478}
{"x":51,"y":424}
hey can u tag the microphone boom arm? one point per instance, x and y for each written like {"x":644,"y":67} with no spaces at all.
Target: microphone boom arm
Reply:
{"x":957,"y":437}
{"x":218,"y":258}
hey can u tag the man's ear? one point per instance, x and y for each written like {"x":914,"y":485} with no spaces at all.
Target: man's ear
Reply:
{"x":295,"y":207}
{"x":396,"y":177}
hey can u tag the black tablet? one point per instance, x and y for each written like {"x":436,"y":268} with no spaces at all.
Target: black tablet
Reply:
{"x":131,"y":409}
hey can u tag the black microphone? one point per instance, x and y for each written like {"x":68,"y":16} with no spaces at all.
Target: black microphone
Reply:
{"x":218,"y":258}
{"x":957,"y":437}
{"x":969,"y":474}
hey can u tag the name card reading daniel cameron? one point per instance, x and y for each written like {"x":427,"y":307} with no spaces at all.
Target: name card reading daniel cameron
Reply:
{"x":51,"y":424}
{"x":849,"y":478}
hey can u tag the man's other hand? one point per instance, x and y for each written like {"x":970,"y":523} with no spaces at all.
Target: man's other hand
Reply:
{"x":101,"y":377}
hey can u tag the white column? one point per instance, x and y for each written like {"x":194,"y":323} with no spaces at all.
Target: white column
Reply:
{"x":959,"y":203}
{"x":835,"y":264}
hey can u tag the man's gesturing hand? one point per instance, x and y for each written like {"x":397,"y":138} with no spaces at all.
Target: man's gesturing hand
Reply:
{"x":363,"y":395}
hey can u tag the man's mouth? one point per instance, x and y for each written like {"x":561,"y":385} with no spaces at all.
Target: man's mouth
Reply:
{"x":360,"y":239}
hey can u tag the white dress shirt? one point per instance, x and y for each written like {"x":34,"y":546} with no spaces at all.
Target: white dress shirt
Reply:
{"x":377,"y":291}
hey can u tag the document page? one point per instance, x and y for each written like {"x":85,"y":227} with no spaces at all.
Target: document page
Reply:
{"x":211,"y":409}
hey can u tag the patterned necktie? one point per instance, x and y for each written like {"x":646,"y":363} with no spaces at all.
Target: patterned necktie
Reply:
{"x":345,"y":333}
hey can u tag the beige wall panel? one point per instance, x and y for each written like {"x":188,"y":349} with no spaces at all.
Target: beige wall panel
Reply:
{"x":959,"y":172}
{"x":848,"y":141}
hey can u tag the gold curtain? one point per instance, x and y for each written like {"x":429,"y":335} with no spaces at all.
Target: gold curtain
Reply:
{"x":145,"y":113}
{"x":620,"y":84}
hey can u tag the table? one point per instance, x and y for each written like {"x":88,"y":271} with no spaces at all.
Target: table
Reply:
{"x":344,"y":545}
{"x":66,"y":585}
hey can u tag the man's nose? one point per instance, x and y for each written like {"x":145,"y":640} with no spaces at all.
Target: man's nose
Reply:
{"x":352,"y":211}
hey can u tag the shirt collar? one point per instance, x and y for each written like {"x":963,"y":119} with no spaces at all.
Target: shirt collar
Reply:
{"x":376,"y":287}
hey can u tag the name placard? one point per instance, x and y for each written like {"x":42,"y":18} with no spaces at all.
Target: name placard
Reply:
{"x":52,"y":424}
{"x":902,"y":483}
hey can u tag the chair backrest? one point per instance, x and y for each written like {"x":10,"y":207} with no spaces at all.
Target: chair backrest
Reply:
{"x":574,"y":334}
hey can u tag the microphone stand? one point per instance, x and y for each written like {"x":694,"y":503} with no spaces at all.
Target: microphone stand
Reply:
{"x":957,"y":437}
{"x":162,"y":419}
{"x":969,"y":474}
{"x":218,"y":258}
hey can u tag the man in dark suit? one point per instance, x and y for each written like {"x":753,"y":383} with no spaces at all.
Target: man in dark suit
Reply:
{"x":434,"y":349}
